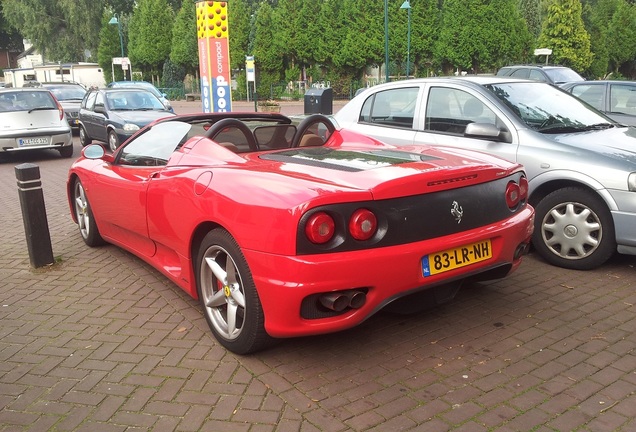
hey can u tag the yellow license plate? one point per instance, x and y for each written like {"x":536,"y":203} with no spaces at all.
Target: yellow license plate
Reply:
{"x":455,"y":258}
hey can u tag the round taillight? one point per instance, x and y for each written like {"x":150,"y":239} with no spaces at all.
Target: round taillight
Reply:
{"x":320,"y":228}
{"x":363,"y":224}
{"x":513,"y":195}
{"x":523,"y":188}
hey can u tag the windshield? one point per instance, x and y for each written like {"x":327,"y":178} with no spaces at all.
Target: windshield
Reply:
{"x":561,"y":75}
{"x":141,"y":84}
{"x":127,"y":100}
{"x":547,"y":109}
{"x":64,"y":93}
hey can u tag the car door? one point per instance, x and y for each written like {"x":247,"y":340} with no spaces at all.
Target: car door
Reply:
{"x":100,"y":119}
{"x":622,"y":102}
{"x":449,"y":109}
{"x":87,"y":114}
{"x":120,"y":195}
{"x":592,"y":93}
{"x":389,"y":115}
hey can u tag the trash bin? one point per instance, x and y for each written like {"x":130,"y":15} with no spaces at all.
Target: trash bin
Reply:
{"x":319,"y":101}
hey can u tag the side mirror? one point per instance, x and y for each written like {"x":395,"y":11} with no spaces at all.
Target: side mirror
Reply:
{"x":95,"y":151}
{"x":100,"y":109}
{"x":487,"y":131}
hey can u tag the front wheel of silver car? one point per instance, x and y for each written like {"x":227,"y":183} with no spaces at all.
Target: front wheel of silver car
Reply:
{"x":574,"y":229}
{"x":228,"y":296}
{"x":84,"y":215}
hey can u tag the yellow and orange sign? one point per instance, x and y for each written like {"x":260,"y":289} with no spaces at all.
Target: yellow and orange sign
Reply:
{"x":214,"y":56}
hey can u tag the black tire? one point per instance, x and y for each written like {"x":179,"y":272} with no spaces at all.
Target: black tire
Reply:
{"x":574,"y":229}
{"x":308,"y":122}
{"x":66,"y":151}
{"x":113,"y":140}
{"x":85,"y":220}
{"x":84,"y":138}
{"x":228,"y":295}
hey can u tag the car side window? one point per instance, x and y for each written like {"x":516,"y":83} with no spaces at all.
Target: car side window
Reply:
{"x":537,"y":75}
{"x":450,"y":110}
{"x":592,"y":94}
{"x":623,"y":99}
{"x":89,"y":102}
{"x":394,"y":107}
{"x":99,"y":100}
{"x":520,"y":73}
{"x":155,"y":146}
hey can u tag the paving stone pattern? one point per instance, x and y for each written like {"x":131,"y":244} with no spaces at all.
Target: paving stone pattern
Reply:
{"x":102,"y":342}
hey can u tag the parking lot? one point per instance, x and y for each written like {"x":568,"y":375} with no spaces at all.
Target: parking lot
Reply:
{"x":100,"y":341}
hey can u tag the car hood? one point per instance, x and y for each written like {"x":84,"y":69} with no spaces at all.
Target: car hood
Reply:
{"x":141,"y":118}
{"x":614,"y":142}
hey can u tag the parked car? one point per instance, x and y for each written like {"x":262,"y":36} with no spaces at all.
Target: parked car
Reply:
{"x":70,"y":95}
{"x":552,"y":74}
{"x":31,"y":118}
{"x":617,"y":99}
{"x":280,"y":237}
{"x":163,"y":97}
{"x":581,"y":165}
{"x":113,"y":115}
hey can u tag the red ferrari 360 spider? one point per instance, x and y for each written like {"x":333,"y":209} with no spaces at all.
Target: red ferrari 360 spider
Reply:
{"x":283,"y":230}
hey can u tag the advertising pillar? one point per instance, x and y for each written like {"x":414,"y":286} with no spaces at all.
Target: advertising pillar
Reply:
{"x":214,"y":56}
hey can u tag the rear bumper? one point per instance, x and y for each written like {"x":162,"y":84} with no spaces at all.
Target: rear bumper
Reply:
{"x":385,"y":274}
{"x":57,"y":139}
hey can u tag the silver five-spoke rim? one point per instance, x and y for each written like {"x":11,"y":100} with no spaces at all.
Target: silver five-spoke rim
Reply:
{"x":81,"y":209}
{"x":222,"y":292}
{"x":572,"y":230}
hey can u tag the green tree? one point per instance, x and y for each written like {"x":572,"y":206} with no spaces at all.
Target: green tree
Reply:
{"x":596,"y":18}
{"x":184,"y":49}
{"x":362,"y":41}
{"x":109,"y":47}
{"x":471,"y":40}
{"x":239,"y":31}
{"x":150,"y":35}
{"x":530,"y":11}
{"x":425,"y":24}
{"x":563,"y":32}
{"x":621,"y":36}
{"x":10,"y":39}
{"x":267,"y":58}
{"x":60,"y":29}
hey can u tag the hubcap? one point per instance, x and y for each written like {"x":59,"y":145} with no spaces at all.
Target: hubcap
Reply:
{"x":81,"y":210}
{"x":112,"y":141}
{"x":222,"y":293}
{"x":572,"y":230}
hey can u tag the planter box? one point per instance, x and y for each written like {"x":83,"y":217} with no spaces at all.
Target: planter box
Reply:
{"x":269,"y":108}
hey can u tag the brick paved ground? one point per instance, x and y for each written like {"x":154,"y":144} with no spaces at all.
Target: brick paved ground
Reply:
{"x":102,"y":342}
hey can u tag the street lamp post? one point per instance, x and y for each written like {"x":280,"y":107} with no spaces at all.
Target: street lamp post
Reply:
{"x":406,"y":5}
{"x":114,"y":20}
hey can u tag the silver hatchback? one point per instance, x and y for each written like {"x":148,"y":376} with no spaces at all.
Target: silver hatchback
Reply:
{"x":581,"y":165}
{"x":31,"y":118}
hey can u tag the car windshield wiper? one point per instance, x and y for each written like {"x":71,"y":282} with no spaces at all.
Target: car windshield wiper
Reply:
{"x":553,"y":129}
{"x":598,"y":126}
{"x":40,"y":109}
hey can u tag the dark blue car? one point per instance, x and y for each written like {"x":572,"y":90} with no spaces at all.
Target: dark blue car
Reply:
{"x":114,"y":114}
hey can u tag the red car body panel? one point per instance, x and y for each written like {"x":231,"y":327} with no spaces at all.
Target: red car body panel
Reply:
{"x":158,"y":212}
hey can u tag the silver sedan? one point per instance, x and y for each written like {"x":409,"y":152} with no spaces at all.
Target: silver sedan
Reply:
{"x":31,"y":118}
{"x":581,"y":164}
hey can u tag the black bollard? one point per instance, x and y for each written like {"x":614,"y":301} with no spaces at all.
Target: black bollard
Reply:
{"x":36,"y":226}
